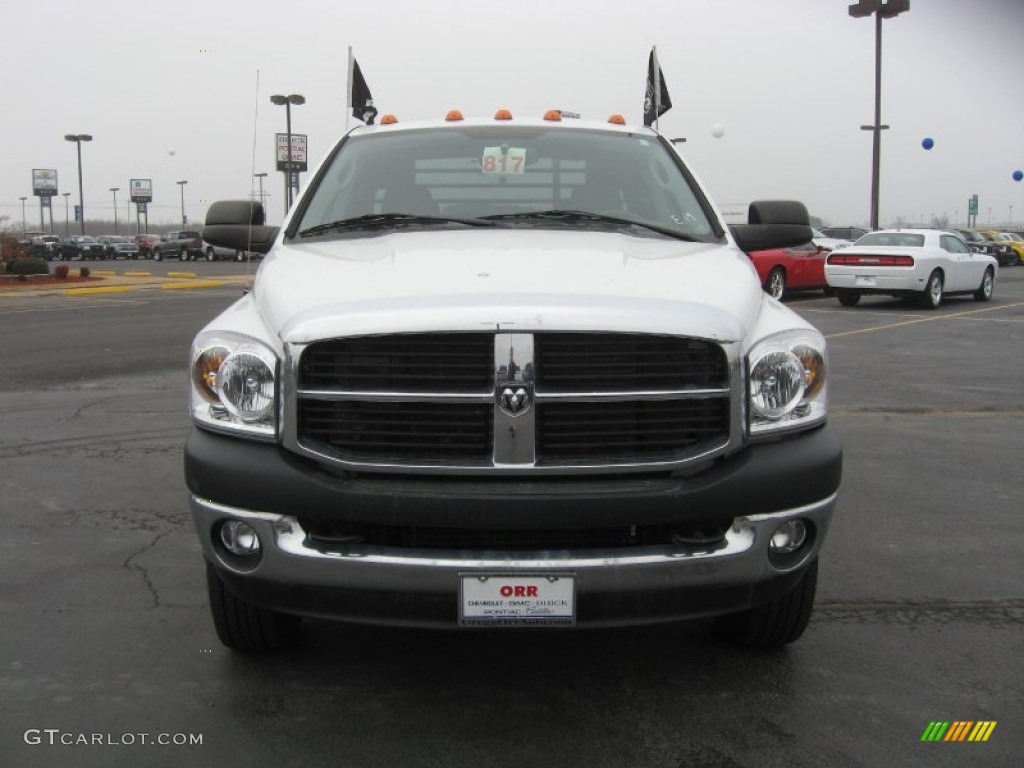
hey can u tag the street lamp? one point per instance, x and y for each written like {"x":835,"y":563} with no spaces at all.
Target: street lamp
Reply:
{"x":881,"y":9}
{"x":182,"y":185}
{"x":287,"y":102}
{"x":261,"y":177}
{"x":78,"y":138}
{"x":115,"y":191}
{"x":24,"y":226}
{"x":67,"y":216}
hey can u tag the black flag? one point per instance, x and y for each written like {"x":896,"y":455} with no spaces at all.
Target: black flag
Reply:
{"x":360,"y":98}
{"x":656,"y":99}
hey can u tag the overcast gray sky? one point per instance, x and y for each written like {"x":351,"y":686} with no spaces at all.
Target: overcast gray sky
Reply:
{"x":791,"y":81}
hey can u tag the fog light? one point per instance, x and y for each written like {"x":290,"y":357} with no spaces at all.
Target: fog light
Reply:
{"x":789,"y":537}
{"x":240,"y":538}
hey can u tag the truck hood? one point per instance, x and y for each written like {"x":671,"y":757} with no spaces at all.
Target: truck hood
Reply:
{"x":512,"y":279}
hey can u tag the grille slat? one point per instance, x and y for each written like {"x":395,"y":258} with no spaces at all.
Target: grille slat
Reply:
{"x":581,"y":362}
{"x":457,"y":362}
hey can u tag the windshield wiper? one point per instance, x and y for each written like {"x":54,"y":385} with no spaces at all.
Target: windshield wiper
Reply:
{"x":376,"y":220}
{"x":600,"y":218}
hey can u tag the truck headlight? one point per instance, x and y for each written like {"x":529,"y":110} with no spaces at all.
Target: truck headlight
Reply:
{"x":234,"y":384}
{"x":787,"y":382}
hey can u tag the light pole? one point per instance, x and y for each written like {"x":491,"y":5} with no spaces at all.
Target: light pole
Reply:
{"x":882,"y":9}
{"x":115,"y":191}
{"x":182,"y":185}
{"x":261,"y":177}
{"x":24,"y":226}
{"x":67,"y":216}
{"x":287,"y":101}
{"x":78,"y":138}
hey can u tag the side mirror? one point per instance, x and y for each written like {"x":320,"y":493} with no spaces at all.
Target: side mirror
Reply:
{"x":238,"y":224}
{"x":773,"y":224}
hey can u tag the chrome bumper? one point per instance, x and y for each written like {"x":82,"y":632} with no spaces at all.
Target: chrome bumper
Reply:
{"x":295,"y":575}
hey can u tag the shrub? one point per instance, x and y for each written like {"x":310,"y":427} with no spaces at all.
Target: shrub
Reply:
{"x":83,"y":272}
{"x":28,"y":267}
{"x":61,"y":272}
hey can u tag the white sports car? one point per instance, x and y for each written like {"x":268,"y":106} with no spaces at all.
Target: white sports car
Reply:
{"x":925,"y":263}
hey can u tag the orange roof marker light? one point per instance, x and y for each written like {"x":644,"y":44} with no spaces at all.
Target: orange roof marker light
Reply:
{"x":502,"y":114}
{"x":388,"y":120}
{"x":453,"y":116}
{"x":617,"y":120}
{"x":553,"y":115}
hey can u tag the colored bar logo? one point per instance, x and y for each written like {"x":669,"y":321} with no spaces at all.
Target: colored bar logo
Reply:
{"x":958,"y":730}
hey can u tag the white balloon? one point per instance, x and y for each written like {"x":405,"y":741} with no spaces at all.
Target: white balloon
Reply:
{"x":718,"y":130}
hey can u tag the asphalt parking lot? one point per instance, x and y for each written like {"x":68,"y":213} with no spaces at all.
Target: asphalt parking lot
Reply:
{"x":919,"y":616}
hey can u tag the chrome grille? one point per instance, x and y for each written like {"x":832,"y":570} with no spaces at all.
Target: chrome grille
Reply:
{"x":511,"y":401}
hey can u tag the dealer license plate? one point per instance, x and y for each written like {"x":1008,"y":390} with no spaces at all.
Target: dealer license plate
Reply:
{"x":517,"y":600}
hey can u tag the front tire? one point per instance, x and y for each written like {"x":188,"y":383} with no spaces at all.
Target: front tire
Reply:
{"x":183,"y":254}
{"x":932,"y":295}
{"x":210,"y":255}
{"x":779,"y":622}
{"x":987,"y":287}
{"x":775,"y":285}
{"x":243,"y":626}
{"x":158,"y":255}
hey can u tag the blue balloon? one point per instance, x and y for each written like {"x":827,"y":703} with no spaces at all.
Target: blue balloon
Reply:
{"x":928,"y":143}
{"x":1018,"y":175}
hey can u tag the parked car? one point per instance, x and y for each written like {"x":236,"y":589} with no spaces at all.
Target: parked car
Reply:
{"x":978,"y":243}
{"x":790,"y":269}
{"x":853,"y":234}
{"x":120,"y":247}
{"x":217,"y":253}
{"x":822,"y":240}
{"x":1007,"y":239}
{"x":1004,"y":252}
{"x":146,"y":243}
{"x":186,"y":245}
{"x":82,"y":247}
{"x":928,"y":264}
{"x":473,"y":392}
{"x":45,"y":247}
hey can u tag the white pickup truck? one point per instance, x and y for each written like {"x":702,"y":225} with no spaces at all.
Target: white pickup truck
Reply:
{"x":509,"y":373}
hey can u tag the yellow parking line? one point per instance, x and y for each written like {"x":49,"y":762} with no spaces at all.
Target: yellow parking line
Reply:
{"x":181,"y":274}
{"x":923,"y":320}
{"x":193,"y":284}
{"x":138,"y":274}
{"x":105,"y":289}
{"x":104,"y":272}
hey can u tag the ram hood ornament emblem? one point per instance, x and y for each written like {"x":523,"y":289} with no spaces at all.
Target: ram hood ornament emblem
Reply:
{"x":514,"y":398}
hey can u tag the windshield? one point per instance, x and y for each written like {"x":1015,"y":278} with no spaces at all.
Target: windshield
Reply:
{"x":506,"y":175}
{"x":900,"y":239}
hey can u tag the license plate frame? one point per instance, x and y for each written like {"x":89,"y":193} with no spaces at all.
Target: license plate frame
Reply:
{"x":517,"y":599}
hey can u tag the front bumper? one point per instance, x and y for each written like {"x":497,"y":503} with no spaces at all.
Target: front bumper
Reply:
{"x":755,"y":490}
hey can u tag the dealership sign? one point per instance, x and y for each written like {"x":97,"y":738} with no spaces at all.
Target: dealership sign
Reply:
{"x":141,"y":190}
{"x":44,"y":182}
{"x":298,"y":152}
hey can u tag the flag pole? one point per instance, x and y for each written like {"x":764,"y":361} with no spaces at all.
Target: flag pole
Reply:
{"x":657,"y":86}
{"x":348,"y":90}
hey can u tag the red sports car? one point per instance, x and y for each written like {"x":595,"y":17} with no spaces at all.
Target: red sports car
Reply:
{"x":791,"y":269}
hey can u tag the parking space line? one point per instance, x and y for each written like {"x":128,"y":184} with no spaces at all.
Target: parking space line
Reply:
{"x":923,"y":320}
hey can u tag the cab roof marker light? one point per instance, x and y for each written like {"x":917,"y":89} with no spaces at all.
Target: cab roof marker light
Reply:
{"x":453,"y":116}
{"x":503,"y":114}
{"x":553,"y":115}
{"x":388,"y":120}
{"x":617,"y":119}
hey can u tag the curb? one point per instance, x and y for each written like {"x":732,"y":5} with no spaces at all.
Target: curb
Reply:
{"x":181,"y":274}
